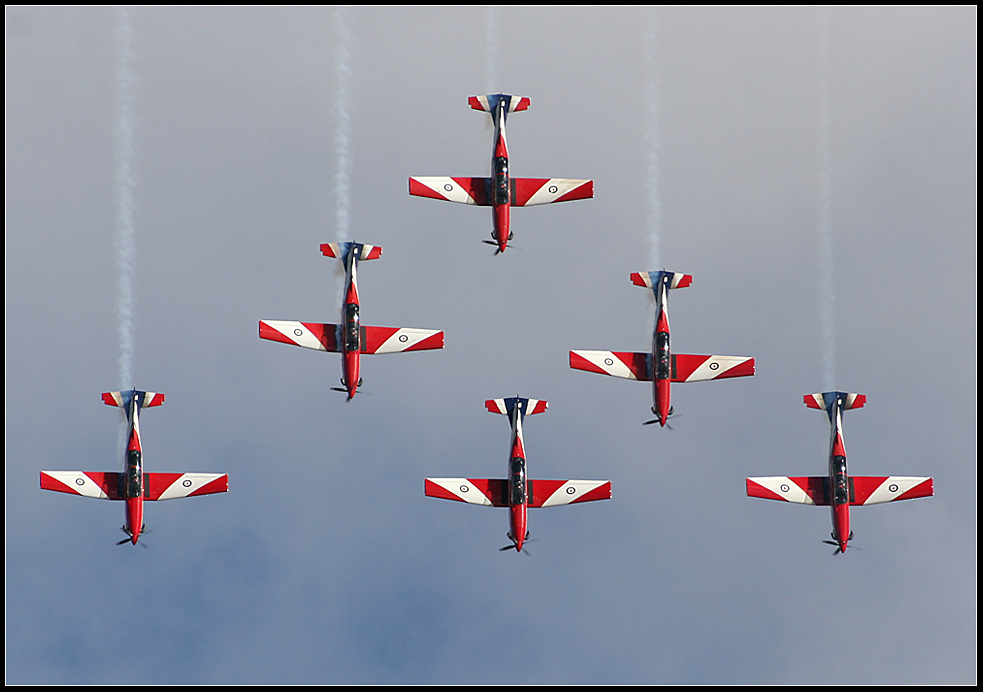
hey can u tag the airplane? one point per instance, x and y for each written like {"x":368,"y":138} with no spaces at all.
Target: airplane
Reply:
{"x":350,"y":338}
{"x":134,"y":486}
{"x":516,"y":492}
{"x":661,"y":366}
{"x":838,"y":489}
{"x":501,"y":191}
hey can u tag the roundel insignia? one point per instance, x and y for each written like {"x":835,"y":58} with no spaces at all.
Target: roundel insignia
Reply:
{"x":553,"y":189}
{"x":298,"y":332}
{"x":893,"y":487}
{"x":448,"y":187}
{"x":79,"y":481}
{"x":609,"y":361}
{"x":714,"y":365}
{"x":403,"y":338}
{"x":571,"y":490}
{"x":186,"y":483}
{"x":465,"y":488}
{"x":784,"y":488}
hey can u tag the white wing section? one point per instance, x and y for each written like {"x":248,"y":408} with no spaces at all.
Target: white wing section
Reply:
{"x":446,"y":188}
{"x":571,"y":491}
{"x":894,"y":487}
{"x":78,"y":482}
{"x":462,"y":489}
{"x":552,"y":190}
{"x":296,"y":333}
{"x":607,"y":363}
{"x":785,"y":488}
{"x":715,"y":367}
{"x":404,"y":339}
{"x":187,"y":484}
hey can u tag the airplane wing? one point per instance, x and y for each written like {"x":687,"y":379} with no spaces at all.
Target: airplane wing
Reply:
{"x":690,"y":368}
{"x":460,"y":190}
{"x":396,"y":339}
{"x":632,"y":366}
{"x":543,"y":493}
{"x":872,"y":490}
{"x":490,"y":492}
{"x":97,"y":484}
{"x":528,"y":192}
{"x":804,"y":490}
{"x":320,"y":337}
{"x":170,"y":486}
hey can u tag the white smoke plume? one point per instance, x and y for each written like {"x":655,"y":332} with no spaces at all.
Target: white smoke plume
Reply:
{"x":491,"y":50}
{"x":826,"y":285}
{"x":125,"y":245}
{"x":650,"y":136}
{"x":341,"y":126}
{"x":341,"y":120}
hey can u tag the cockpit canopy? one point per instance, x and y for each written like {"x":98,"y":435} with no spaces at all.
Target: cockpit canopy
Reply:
{"x":501,"y":180}
{"x":352,"y":331}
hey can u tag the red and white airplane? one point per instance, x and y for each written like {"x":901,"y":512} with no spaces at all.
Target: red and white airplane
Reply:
{"x":516,"y":492}
{"x":500,"y":191}
{"x":134,"y":486}
{"x":660,"y":365}
{"x":349,"y":338}
{"x":838,"y":489}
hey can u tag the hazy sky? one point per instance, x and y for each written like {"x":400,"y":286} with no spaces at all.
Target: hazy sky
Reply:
{"x":325,"y":563}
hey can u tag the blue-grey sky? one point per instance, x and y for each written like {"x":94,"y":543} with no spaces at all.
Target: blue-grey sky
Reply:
{"x":325,"y":563}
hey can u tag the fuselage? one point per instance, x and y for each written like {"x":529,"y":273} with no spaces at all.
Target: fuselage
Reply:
{"x":839,"y":480}
{"x":661,"y":356}
{"x":501,"y":184}
{"x":132,"y":489}
{"x":350,"y":329}
{"x":518,"y":488}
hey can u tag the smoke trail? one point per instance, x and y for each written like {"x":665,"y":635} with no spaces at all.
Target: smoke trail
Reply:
{"x":826,"y":287}
{"x":650,"y":135}
{"x":342,"y":121}
{"x":124,"y":244}
{"x":491,"y":47}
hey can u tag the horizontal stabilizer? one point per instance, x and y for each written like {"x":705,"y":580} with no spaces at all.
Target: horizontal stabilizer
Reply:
{"x":320,"y":337}
{"x":690,"y":368}
{"x":488,"y":103}
{"x":651,"y":279}
{"x":825,"y":400}
{"x":506,"y":406}
{"x":340,"y":250}
{"x":529,"y":192}
{"x":632,"y":366}
{"x":544,"y":493}
{"x":397,"y":339}
{"x":491,"y":492}
{"x":864,"y":490}
{"x":461,"y":190}
{"x":156,"y":486}
{"x":122,"y":399}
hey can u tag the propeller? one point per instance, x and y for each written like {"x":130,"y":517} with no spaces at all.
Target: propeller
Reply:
{"x":129,"y":538}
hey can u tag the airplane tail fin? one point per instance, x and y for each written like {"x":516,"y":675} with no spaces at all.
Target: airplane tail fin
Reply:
{"x":823,"y":401}
{"x":526,"y":406}
{"x":490,"y":102}
{"x":341,"y":250}
{"x":652,"y":279}
{"x":122,"y":399}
